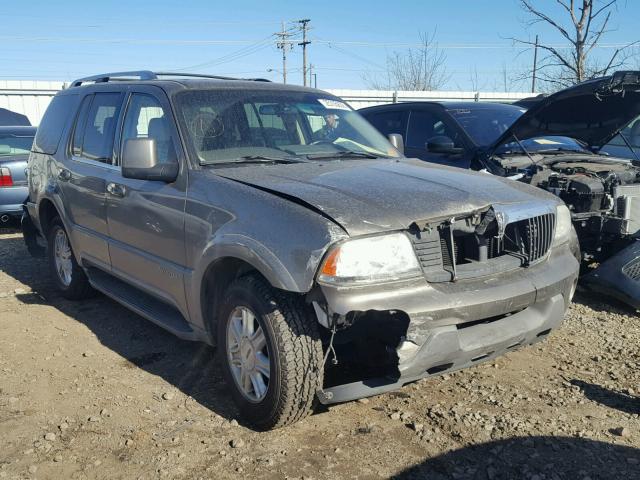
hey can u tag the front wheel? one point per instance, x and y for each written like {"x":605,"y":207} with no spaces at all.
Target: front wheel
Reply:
{"x":271,"y":353}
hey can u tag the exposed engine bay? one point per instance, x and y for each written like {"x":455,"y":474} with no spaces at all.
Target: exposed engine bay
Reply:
{"x":602,"y":193}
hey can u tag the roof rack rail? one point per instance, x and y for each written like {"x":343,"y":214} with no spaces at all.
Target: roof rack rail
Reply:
{"x":149,"y":75}
{"x":105,"y":77}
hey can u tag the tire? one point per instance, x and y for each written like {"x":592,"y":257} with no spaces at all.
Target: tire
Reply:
{"x":292,"y":346}
{"x":70,"y":280}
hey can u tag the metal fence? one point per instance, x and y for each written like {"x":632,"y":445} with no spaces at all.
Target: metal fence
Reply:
{"x":369,"y":98}
{"x":31,"y":97}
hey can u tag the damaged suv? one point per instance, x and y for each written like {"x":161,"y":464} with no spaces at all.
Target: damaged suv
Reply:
{"x":275,"y":223}
{"x":554,"y":145}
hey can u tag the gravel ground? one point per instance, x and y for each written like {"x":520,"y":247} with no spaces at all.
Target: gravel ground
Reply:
{"x":91,"y":390}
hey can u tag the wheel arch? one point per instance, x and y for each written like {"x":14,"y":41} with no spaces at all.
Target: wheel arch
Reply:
{"x":47,"y":211}
{"x":218,"y":275}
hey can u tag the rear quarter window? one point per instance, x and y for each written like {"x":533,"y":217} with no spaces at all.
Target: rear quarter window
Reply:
{"x":53,"y":122}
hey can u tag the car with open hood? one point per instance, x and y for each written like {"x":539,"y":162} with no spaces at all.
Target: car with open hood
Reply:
{"x":275,"y":223}
{"x":555,"y":144}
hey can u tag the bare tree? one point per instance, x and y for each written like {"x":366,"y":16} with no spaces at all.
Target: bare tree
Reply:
{"x":420,"y":68}
{"x":585,"y":24}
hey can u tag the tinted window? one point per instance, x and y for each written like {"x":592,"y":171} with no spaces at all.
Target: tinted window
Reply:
{"x":389,"y":122}
{"x":484,"y":124}
{"x":424,"y":125}
{"x":53,"y":123}
{"x":146,"y":118}
{"x":100,"y":127}
{"x":78,"y":132}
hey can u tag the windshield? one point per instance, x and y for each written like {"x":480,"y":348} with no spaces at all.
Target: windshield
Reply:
{"x":486,"y":123}
{"x":231,"y":125}
{"x":543,"y":144}
{"x":14,"y":144}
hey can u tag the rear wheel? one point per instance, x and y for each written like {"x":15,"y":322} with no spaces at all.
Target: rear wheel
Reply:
{"x":68,"y":277}
{"x":271,"y":353}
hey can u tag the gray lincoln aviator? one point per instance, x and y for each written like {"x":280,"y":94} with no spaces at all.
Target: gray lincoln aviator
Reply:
{"x":276,"y":224}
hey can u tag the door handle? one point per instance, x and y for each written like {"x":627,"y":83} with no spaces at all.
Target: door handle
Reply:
{"x":64,"y":175}
{"x":116,"y":189}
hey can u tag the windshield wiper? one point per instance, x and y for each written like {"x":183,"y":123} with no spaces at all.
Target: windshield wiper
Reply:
{"x":258,"y":159}
{"x":343,"y":154}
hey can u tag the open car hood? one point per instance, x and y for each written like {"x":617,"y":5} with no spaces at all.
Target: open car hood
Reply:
{"x":593,"y":111}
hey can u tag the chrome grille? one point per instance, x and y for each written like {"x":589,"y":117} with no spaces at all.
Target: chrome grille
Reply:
{"x":445,"y":255}
{"x":538,"y":236}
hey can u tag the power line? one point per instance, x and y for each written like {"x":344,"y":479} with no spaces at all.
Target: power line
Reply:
{"x":453,"y":46}
{"x":243,"y":52}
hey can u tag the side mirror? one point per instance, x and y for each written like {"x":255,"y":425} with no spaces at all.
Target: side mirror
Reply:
{"x":442,"y":144}
{"x":396,"y":140}
{"x":140,"y":161}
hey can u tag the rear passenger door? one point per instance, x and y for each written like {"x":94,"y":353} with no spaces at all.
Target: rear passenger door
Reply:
{"x":83,"y":172}
{"x":145,"y":217}
{"x":426,"y":123}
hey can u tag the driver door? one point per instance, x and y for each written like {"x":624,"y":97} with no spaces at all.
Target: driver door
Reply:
{"x":146,"y":217}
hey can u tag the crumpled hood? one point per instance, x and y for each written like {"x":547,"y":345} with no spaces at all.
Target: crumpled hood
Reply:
{"x":593,"y":111}
{"x":373,"y":196}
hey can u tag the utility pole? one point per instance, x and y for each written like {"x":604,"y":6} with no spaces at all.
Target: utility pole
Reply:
{"x":313,"y":77}
{"x":284,"y":43}
{"x":304,"y":44}
{"x":535,"y":66}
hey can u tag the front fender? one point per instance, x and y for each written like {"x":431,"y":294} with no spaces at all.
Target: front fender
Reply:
{"x":256,"y":254}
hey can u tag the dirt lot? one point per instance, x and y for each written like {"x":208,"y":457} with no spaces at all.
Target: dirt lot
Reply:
{"x":90,"y":390}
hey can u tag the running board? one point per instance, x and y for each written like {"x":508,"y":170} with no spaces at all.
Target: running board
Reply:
{"x":145,"y":305}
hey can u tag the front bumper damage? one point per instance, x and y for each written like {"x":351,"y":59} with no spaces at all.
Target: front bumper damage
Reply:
{"x":457,"y":325}
{"x":618,"y":276}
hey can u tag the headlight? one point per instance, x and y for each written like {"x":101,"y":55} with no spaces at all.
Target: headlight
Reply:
{"x":371,"y":259}
{"x":563,"y":225}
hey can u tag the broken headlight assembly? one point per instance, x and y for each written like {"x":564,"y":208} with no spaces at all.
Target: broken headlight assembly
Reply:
{"x":563,"y":225}
{"x":368,"y":260}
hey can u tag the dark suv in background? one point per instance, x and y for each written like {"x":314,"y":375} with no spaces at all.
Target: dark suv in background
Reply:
{"x":275,"y":223}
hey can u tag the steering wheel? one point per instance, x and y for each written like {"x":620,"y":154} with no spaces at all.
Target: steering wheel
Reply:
{"x":206,"y":125}
{"x":322,"y":142}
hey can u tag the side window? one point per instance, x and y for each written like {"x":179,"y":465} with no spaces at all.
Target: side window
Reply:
{"x":389,"y":122}
{"x":78,"y":132}
{"x":424,"y":125}
{"x":100,"y":127}
{"x":145,"y":118}
{"x":55,"y":119}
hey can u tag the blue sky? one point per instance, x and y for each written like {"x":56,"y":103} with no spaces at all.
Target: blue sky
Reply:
{"x":67,"y":39}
